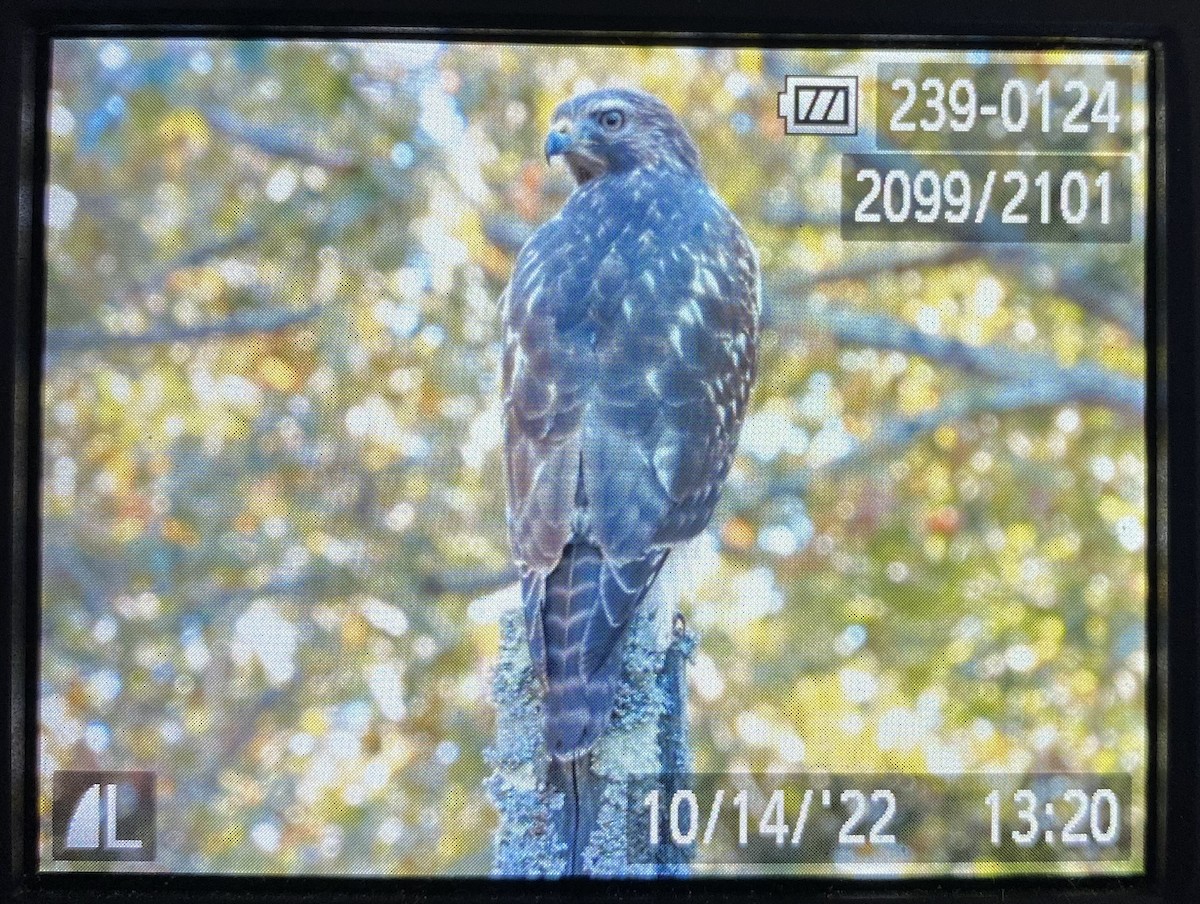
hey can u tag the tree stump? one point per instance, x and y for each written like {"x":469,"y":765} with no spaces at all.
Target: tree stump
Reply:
{"x":562,"y":819}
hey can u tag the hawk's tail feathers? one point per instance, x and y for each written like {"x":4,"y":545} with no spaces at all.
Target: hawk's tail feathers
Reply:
{"x":586,"y":607}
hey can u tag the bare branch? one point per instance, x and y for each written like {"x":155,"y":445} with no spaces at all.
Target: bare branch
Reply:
{"x":1072,"y":282}
{"x":468,"y":581}
{"x":277,"y":141}
{"x":795,"y":213}
{"x":892,"y":259}
{"x":251,"y":320}
{"x":245,"y":234}
{"x":506,"y":232}
{"x":1090,"y":381}
{"x":295,"y":144}
{"x":1016,"y":396}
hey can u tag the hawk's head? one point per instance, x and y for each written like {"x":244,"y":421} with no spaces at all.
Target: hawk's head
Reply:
{"x":615,"y":130}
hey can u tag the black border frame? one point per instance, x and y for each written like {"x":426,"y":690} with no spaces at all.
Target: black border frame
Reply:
{"x":1170,"y":29}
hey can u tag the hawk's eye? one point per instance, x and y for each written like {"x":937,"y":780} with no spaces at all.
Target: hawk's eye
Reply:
{"x":612,"y":119}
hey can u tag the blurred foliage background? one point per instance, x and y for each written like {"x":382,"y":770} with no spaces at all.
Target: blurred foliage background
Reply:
{"x":272,"y":498}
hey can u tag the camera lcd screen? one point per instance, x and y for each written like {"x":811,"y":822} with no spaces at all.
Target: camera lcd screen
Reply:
{"x":541,"y":459}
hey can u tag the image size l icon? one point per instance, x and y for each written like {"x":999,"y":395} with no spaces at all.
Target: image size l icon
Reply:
{"x":103,"y":816}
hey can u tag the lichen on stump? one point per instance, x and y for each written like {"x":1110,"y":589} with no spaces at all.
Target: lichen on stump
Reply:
{"x":553,"y":823}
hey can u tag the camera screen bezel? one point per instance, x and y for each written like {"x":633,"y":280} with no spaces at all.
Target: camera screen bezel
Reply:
{"x":1173,"y":827}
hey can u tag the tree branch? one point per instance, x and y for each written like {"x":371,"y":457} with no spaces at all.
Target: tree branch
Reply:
{"x":1016,"y":396}
{"x":508,"y":233}
{"x":1071,"y":281}
{"x":468,"y":581}
{"x":241,"y":323}
{"x":290,"y":143}
{"x":294,"y":144}
{"x":1086,"y":381}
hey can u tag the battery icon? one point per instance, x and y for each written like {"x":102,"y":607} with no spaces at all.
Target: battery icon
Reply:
{"x":819,"y":105}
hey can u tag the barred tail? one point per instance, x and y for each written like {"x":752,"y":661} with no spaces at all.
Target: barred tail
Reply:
{"x":577,"y":616}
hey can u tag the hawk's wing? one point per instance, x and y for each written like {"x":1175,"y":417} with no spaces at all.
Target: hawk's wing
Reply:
{"x":672,"y":385}
{"x":630,"y":340}
{"x":629,"y":356}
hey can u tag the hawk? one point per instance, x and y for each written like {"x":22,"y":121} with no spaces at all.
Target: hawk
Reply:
{"x":630,"y":338}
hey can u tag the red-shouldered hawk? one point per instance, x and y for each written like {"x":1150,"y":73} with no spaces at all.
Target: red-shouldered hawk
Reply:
{"x":631,"y":328}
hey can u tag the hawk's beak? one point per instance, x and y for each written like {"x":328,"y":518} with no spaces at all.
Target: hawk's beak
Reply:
{"x":558,"y":140}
